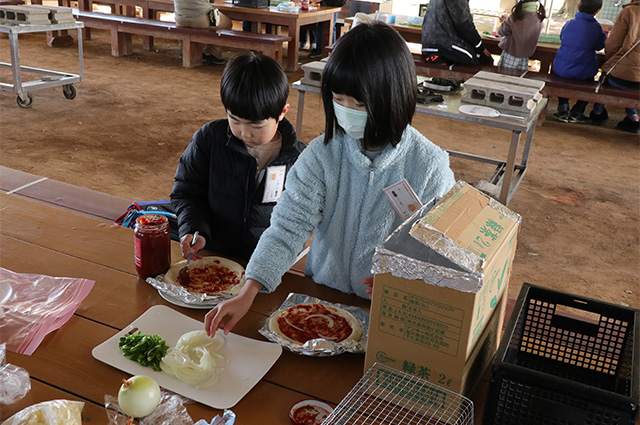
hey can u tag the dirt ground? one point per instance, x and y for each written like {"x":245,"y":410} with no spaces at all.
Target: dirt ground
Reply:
{"x":134,"y":116}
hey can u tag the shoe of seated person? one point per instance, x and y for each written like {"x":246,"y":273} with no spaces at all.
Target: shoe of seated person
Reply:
{"x":214,"y":17}
{"x":578,"y":119}
{"x":599,"y":119}
{"x":629,"y":126}
{"x":212,"y":60}
{"x":561,"y":116}
{"x":316,"y":53}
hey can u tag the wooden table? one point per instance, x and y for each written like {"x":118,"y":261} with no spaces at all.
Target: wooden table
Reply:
{"x":42,"y":239}
{"x":270,"y":16}
{"x":508,"y":173}
{"x":293,"y":21}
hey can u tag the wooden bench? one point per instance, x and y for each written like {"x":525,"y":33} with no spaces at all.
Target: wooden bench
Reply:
{"x":554,"y":86}
{"x":193,"y":39}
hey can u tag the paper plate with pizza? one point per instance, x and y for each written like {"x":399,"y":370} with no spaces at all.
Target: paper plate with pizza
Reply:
{"x":313,"y":327}
{"x":207,"y":282}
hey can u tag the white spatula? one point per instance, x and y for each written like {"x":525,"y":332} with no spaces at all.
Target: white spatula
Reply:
{"x":485,"y":111}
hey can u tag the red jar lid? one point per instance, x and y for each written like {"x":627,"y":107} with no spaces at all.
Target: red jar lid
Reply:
{"x":151,"y":220}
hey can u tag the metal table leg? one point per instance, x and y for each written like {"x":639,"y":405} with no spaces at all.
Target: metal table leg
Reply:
{"x":300,"y":113}
{"x":509,"y":167}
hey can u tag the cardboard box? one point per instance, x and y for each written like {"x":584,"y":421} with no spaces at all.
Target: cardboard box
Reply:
{"x":437,"y":308}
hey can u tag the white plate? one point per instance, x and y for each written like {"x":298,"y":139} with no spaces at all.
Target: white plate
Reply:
{"x":180,"y":303}
{"x":248,"y":359}
{"x":485,"y":111}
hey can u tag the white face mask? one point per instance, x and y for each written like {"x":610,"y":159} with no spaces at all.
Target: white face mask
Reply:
{"x":352,"y":121}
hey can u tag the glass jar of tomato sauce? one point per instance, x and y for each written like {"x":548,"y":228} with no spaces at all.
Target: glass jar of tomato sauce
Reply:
{"x":152,"y":245}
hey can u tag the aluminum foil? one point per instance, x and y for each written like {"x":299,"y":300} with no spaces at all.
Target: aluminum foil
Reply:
{"x":321,"y":347}
{"x":182,"y":295}
{"x":434,"y":258}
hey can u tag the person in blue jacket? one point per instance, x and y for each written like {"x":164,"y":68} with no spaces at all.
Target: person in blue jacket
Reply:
{"x":580,"y":39}
{"x":335,"y":189}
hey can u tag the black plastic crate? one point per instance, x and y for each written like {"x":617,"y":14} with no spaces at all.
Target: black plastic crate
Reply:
{"x":566,"y":360}
{"x":259,"y":4}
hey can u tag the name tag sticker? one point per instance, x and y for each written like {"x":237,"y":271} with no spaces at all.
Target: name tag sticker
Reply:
{"x":403,"y":198}
{"x":275,"y":183}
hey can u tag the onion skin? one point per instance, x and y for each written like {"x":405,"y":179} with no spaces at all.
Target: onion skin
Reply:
{"x":138,"y":396}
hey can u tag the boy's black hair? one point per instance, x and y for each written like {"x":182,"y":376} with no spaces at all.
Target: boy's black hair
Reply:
{"x":372,"y":63}
{"x":518,"y":14}
{"x":589,"y":6}
{"x":254,"y":87}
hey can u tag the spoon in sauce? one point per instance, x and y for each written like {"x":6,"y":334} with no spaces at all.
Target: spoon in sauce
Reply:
{"x":183,"y":274}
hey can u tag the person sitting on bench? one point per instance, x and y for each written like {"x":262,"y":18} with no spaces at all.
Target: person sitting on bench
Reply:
{"x":450,"y":36}
{"x":200,"y":14}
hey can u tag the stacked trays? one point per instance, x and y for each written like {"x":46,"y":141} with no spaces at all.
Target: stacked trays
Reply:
{"x":566,"y":359}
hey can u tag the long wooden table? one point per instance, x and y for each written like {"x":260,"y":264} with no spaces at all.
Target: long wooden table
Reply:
{"x":42,"y":239}
{"x":293,"y":21}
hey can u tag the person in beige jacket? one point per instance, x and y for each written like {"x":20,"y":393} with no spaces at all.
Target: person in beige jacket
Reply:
{"x":622,"y":67}
{"x":200,"y":14}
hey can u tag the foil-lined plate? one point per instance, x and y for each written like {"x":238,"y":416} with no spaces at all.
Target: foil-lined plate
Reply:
{"x":182,"y":297}
{"x":320,"y":347}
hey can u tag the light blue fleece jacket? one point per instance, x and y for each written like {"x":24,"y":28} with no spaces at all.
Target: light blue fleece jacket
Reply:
{"x":337,"y":191}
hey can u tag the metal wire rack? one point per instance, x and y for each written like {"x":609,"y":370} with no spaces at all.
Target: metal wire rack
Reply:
{"x":386,"y":396}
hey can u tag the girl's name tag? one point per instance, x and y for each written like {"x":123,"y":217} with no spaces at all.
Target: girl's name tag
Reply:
{"x":403,"y":198}
{"x":275,"y":183}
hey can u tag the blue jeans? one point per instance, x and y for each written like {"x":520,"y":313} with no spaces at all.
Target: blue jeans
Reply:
{"x":619,"y":84}
{"x":314,"y":32}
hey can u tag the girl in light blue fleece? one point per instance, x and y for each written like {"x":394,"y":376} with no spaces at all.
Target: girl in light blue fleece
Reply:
{"x":369,"y":91}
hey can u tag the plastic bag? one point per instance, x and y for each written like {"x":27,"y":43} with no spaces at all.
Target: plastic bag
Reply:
{"x":137,"y":209}
{"x":15,"y":380}
{"x":54,"y":412}
{"x":227,"y":418}
{"x":170,"y":411}
{"x":34,"y":305}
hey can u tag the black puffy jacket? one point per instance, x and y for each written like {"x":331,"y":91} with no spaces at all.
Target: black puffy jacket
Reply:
{"x":448,"y":32}
{"x":215,"y":190}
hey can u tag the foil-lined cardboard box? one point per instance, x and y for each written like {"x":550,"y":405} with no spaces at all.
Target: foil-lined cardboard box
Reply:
{"x":437,"y":306}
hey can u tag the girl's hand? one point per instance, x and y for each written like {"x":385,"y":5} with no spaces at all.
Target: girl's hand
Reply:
{"x":369,"y":282}
{"x":186,"y":248}
{"x":229,"y":313}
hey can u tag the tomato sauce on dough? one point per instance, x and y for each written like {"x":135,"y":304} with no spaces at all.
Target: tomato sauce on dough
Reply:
{"x":211,"y":279}
{"x":302,"y":323}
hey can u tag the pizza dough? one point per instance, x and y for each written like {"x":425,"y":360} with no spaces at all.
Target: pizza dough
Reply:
{"x":210,"y":275}
{"x":303,"y":322}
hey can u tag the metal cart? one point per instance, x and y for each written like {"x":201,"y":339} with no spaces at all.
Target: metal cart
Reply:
{"x":48,"y":78}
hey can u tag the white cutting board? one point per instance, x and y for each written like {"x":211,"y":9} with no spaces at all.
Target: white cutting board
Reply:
{"x":248,"y":360}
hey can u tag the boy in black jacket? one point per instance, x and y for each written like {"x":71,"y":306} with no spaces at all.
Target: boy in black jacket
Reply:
{"x":232,"y":173}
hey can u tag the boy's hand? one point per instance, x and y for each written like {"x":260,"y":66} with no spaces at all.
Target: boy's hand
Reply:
{"x":231,"y":311}
{"x":369,"y":282}
{"x":186,"y":248}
